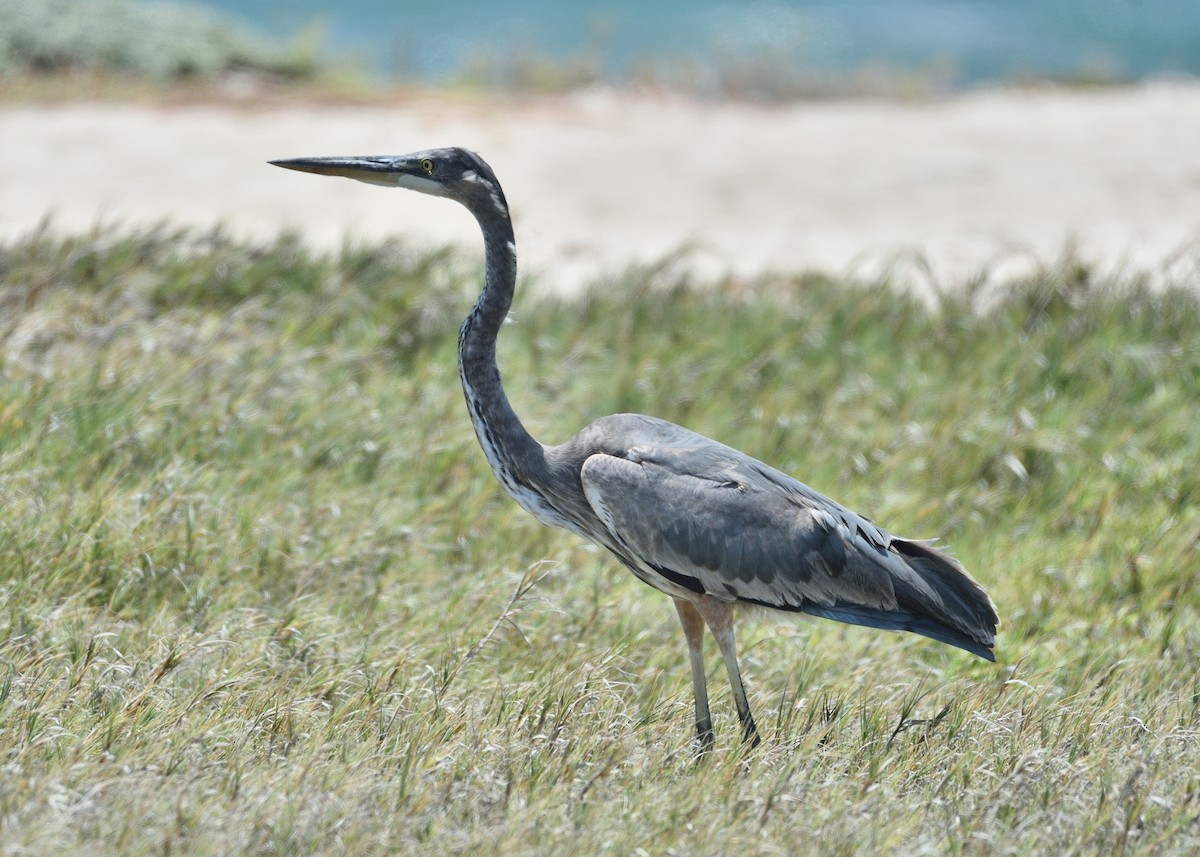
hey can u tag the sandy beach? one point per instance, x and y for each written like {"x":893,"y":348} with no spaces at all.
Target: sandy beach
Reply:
{"x":939,"y":190}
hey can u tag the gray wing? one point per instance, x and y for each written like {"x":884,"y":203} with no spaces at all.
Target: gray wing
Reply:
{"x":737,"y":535}
{"x":719,"y":522}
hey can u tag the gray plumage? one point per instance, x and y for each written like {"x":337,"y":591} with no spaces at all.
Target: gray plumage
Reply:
{"x":706,"y":524}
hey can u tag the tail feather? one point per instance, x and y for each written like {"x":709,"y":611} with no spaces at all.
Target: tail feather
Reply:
{"x":964,"y":605}
{"x":902,"y":620}
{"x":960,"y":613}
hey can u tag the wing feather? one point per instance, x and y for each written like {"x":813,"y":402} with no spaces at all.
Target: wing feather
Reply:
{"x":741,"y":537}
{"x":710,"y":519}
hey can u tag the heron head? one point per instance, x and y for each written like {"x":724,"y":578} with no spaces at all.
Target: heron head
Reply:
{"x":454,"y":173}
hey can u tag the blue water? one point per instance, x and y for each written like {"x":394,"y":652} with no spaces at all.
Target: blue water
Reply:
{"x":979,"y":40}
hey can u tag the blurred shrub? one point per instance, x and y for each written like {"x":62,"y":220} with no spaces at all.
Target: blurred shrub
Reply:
{"x":160,"y":41}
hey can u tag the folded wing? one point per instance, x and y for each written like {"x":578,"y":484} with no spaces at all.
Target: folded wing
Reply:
{"x":721,"y":523}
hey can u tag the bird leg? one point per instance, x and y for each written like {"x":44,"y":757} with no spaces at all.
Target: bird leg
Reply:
{"x":693,"y":630}
{"x":719,"y":617}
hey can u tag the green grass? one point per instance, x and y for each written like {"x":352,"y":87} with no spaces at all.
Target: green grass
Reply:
{"x":259,"y":593}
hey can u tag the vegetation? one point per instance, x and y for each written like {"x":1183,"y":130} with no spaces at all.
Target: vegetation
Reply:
{"x":56,"y":49}
{"x":164,"y":42}
{"x":259,"y":593}
{"x":68,"y":49}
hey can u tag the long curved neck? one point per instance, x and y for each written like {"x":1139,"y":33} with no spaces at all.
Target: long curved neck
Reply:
{"x":516,"y":458}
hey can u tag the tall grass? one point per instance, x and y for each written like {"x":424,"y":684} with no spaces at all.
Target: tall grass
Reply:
{"x":259,"y":593}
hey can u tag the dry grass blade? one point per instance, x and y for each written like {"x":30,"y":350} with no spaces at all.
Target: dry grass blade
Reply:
{"x":253,"y":569}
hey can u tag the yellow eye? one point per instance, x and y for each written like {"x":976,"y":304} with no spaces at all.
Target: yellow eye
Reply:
{"x":427,"y":165}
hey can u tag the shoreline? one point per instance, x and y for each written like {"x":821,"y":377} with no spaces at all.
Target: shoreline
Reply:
{"x":990,"y":183}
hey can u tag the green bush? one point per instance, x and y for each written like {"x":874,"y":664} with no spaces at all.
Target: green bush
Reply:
{"x":160,"y":41}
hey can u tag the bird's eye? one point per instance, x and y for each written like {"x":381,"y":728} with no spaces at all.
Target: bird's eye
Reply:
{"x":427,"y":165}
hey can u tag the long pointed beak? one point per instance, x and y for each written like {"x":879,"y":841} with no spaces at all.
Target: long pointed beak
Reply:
{"x":402,"y":171}
{"x":374,"y":170}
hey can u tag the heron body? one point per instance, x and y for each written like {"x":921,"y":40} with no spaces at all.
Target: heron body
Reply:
{"x":704,"y":523}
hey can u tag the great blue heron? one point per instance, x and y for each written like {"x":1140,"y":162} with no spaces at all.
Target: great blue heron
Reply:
{"x":706,"y":524}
